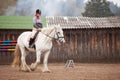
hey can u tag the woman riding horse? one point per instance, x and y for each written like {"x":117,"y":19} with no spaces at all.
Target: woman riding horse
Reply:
{"x":43,"y":46}
{"x":37,"y":25}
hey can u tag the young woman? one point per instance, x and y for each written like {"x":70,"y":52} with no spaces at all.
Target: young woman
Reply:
{"x":37,"y":25}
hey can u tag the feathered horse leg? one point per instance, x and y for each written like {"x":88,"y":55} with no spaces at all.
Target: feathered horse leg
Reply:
{"x":24,"y":67}
{"x":34,"y":65}
{"x":45,"y":62}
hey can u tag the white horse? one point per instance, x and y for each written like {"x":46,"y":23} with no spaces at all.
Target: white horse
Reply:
{"x":43,"y":45}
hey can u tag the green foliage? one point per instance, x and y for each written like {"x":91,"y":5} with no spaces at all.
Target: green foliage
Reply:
{"x":115,"y":9}
{"x":18,"y":22}
{"x":97,"y":8}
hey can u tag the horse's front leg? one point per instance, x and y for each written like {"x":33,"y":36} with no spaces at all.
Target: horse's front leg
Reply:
{"x":45,"y":62}
{"x":34,"y":65}
{"x":23,"y":66}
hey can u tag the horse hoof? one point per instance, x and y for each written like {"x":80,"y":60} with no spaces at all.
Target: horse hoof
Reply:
{"x":33,"y":66}
{"x":25,"y":70}
{"x":46,"y":71}
{"x":32,"y":69}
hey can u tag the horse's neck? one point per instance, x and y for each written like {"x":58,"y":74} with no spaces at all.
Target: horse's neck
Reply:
{"x":49,"y":31}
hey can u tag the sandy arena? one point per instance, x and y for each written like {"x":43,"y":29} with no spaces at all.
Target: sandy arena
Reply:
{"x":79,"y":72}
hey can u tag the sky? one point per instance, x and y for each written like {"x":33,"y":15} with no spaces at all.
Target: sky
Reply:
{"x":50,"y":7}
{"x":117,"y":2}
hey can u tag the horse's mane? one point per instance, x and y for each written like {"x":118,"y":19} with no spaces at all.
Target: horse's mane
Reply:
{"x":47,"y":30}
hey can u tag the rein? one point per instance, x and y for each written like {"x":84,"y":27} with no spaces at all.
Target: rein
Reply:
{"x":57,"y":33}
{"x":47,"y":35}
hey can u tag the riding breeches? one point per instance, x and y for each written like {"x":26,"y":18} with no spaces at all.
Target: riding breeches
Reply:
{"x":34,"y":30}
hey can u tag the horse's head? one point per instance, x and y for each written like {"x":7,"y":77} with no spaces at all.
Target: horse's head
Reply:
{"x":54,"y":32}
{"x":59,"y":36}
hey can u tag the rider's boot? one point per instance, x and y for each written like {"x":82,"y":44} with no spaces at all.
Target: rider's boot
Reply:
{"x":31,"y":43}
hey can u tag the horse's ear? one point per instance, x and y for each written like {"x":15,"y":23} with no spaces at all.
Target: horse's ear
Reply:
{"x":57,"y":27}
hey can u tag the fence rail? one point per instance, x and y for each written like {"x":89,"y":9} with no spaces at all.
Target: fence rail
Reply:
{"x":7,"y":45}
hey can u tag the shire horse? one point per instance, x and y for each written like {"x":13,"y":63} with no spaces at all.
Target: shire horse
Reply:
{"x":43,"y":46}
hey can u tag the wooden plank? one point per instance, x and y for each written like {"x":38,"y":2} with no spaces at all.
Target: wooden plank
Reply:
{"x":90,"y":42}
{"x":110,"y":44}
{"x":96,"y":45}
{"x":113,"y":44}
{"x":83,"y":46}
{"x":88,"y":45}
{"x":107,"y":45}
{"x":117,"y":44}
{"x":68,"y":45}
{"x":104,"y":43}
{"x":93,"y":42}
{"x":102,"y":51}
{"x":79,"y":46}
{"x":99,"y":44}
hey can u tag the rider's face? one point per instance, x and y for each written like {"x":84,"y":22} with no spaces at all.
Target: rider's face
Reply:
{"x":37,"y":15}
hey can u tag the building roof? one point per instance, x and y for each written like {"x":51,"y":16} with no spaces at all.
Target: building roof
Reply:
{"x":83,"y":22}
{"x":66,"y":22}
{"x":18,"y":22}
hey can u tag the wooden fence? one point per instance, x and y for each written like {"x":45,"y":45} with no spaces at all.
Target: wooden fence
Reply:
{"x":89,"y":45}
{"x":82,"y":45}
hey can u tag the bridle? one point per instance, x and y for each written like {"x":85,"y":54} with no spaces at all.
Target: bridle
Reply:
{"x":59,"y":38}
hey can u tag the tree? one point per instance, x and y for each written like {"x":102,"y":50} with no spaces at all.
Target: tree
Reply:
{"x":97,"y":8}
{"x":115,"y":9}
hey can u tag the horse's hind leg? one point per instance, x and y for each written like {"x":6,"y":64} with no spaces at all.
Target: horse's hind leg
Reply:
{"x":45,"y":62}
{"x":34,"y":65}
{"x":24,"y":66}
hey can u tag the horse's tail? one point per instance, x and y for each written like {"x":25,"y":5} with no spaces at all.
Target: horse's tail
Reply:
{"x":17,"y":56}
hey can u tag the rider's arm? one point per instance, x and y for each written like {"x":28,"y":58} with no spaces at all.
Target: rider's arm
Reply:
{"x":37,"y":23}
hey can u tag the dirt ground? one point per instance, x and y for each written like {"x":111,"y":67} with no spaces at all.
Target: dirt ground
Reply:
{"x":59,"y":72}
